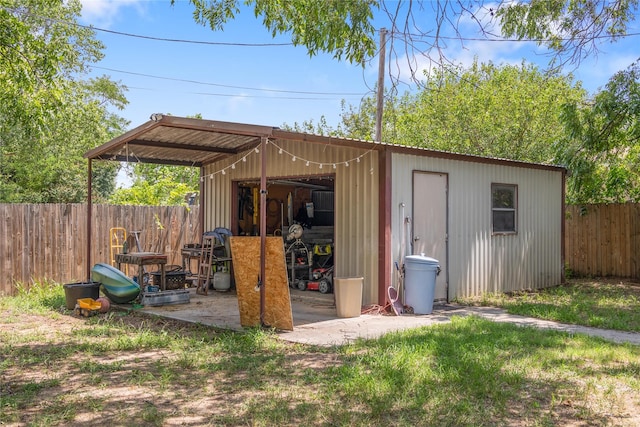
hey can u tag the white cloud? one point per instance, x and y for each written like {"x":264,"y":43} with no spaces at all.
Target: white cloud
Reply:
{"x":463,"y":54}
{"x":461,"y":42}
{"x":103,"y":13}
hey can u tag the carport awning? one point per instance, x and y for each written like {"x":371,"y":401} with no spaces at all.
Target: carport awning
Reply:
{"x":181,"y":141}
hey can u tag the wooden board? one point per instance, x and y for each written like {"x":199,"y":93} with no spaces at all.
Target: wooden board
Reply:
{"x":245,"y":252}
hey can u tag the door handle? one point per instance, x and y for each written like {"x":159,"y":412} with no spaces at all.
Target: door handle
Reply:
{"x":415,"y":239}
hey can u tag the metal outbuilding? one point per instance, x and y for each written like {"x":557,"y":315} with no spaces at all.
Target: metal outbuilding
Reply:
{"x":494,"y":225}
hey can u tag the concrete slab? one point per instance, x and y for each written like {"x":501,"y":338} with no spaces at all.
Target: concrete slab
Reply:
{"x":342,"y":331}
{"x":316,"y":322}
{"x":220,"y":309}
{"x":315,"y":318}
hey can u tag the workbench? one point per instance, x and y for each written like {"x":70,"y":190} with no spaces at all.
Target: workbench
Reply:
{"x":141,"y":259}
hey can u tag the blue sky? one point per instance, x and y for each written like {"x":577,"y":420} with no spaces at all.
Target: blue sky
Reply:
{"x":268,"y":85}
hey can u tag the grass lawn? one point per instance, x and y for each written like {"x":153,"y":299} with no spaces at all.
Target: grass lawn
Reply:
{"x":603,"y":303}
{"x":130,"y":369}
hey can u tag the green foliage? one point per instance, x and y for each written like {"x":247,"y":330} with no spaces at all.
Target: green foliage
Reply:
{"x":38,"y":53}
{"x":49,"y":116}
{"x":154,"y":174}
{"x":38,"y":297}
{"x":158,"y":191}
{"x":499,"y":111}
{"x":569,"y":27}
{"x":342,"y":28}
{"x":601,"y":144}
{"x":309,"y":126}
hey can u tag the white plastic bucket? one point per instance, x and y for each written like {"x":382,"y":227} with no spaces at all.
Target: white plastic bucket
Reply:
{"x":348,"y":293}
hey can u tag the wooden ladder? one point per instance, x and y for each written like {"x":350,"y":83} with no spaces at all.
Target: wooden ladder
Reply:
{"x":205,"y":264}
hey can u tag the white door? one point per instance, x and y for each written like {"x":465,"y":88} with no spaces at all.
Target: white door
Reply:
{"x":429,"y":234}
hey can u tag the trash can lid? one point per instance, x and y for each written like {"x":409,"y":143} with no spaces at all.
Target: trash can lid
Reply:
{"x":421,"y":259}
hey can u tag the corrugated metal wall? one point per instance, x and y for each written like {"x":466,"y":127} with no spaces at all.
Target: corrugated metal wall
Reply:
{"x":356,"y":198}
{"x":479,"y":261}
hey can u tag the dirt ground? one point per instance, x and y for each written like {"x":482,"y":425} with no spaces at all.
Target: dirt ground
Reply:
{"x":70,"y":384}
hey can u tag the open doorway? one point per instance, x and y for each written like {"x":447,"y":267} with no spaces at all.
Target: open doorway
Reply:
{"x":301,"y":211}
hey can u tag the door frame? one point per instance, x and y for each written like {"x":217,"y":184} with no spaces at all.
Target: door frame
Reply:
{"x":445,"y":270}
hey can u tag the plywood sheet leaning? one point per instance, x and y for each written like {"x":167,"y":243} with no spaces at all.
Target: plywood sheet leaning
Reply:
{"x":245,"y":252}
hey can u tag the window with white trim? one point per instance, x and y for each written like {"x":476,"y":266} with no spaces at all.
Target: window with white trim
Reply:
{"x":504,"y":208}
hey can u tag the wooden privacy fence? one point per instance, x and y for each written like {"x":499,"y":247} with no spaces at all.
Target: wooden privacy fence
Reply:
{"x":49,"y":241}
{"x":603,"y":240}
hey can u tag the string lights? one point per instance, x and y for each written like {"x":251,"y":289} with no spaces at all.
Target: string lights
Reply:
{"x":294,"y":158}
{"x":129,"y":154}
{"x":320,"y":165}
{"x":223,"y":171}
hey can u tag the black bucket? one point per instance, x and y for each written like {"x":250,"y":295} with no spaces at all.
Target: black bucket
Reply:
{"x":75,"y":291}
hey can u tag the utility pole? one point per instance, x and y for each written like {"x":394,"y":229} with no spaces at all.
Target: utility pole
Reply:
{"x":380,"y":95}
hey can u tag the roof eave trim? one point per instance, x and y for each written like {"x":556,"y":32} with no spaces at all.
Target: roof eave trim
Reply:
{"x":213,"y":126}
{"x":122,"y":139}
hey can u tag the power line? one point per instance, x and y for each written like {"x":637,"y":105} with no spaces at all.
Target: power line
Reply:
{"x":227,"y":95}
{"x":164,"y":39}
{"x":503,"y":40}
{"x":228,"y":86}
{"x":422,"y":35}
{"x":428,"y":36}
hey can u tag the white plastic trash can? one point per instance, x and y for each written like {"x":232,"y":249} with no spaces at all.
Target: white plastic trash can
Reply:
{"x":348,"y":293}
{"x":420,"y":282}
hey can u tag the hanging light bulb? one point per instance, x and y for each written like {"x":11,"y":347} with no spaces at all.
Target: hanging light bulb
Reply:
{"x":307,"y":164}
{"x":233,"y":166}
{"x":358,"y":159}
{"x":293,"y":159}
{"x":223,"y":172}
{"x":320,"y":165}
{"x":346,"y":164}
{"x":211,"y":176}
{"x":334,"y":165}
{"x":257,"y":151}
{"x":244,"y":159}
{"x":280,"y":151}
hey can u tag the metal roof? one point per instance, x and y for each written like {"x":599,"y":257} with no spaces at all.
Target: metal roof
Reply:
{"x":196,"y":142}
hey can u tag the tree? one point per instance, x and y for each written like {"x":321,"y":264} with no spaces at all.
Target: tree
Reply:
{"x":40,"y":52}
{"x":601,"y":144}
{"x":163,"y":191}
{"x":158,"y":185}
{"x":343,"y":28}
{"x":504,"y":111}
{"x":49,"y":116}
{"x":570,"y":28}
